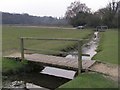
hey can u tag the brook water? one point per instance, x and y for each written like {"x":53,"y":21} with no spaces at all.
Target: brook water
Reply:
{"x":49,"y":77}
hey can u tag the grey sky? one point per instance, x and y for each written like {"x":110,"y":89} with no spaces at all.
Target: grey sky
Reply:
{"x":55,"y":8}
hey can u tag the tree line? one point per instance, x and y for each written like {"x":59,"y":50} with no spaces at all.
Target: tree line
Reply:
{"x":26,"y":19}
{"x":78,"y":14}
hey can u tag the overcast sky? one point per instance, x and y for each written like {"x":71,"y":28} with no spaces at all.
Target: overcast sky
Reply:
{"x":55,"y":8}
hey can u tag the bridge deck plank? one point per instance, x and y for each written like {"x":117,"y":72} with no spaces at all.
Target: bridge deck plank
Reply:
{"x":55,"y":60}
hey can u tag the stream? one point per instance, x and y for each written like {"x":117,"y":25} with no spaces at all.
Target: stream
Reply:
{"x":89,"y":48}
{"x":50,"y":78}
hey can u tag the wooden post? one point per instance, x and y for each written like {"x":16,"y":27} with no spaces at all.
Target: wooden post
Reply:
{"x":79,"y":57}
{"x":22,"y":48}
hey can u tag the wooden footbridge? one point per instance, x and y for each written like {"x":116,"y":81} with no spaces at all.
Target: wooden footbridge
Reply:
{"x":55,"y":61}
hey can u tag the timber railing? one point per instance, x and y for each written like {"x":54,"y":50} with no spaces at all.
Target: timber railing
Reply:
{"x":78,"y":41}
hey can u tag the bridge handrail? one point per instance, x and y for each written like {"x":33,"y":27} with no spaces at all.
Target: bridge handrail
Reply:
{"x":80,"y":43}
{"x":59,"y":39}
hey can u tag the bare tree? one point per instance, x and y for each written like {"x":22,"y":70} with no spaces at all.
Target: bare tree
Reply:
{"x":75,"y":8}
{"x":109,"y":14}
{"x":76,"y":13}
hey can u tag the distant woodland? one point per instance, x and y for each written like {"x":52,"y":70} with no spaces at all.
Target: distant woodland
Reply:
{"x":77,"y":14}
{"x":26,"y":19}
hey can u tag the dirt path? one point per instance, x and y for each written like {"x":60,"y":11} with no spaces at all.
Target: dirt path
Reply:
{"x":107,"y":69}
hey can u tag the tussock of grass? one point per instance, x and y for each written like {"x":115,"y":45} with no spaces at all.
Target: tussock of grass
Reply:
{"x":12,"y":66}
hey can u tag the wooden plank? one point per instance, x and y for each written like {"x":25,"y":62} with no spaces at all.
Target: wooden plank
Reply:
{"x":58,"y":39}
{"x":55,"y":60}
{"x":79,"y":57}
{"x":22,"y":48}
{"x":60,"y":61}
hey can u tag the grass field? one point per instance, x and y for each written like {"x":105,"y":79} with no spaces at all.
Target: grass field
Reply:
{"x":108,"y":47}
{"x":11,"y":36}
{"x":90,"y":80}
{"x":11,"y":40}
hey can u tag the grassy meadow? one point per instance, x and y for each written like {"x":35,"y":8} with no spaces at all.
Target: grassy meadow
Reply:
{"x":11,"y":42}
{"x":11,"y":36}
{"x":108,"y":47}
{"x":108,"y":50}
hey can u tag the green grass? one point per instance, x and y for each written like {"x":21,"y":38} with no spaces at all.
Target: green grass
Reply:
{"x":11,"y":66}
{"x":90,"y":80}
{"x":11,"y":36}
{"x":108,"y":52}
{"x":108,"y":47}
{"x":11,"y":42}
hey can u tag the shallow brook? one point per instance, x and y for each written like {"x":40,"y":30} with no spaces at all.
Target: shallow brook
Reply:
{"x":88,"y":48}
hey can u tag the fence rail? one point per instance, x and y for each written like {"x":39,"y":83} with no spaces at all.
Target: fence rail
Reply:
{"x":58,"y":39}
{"x":79,"y":43}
